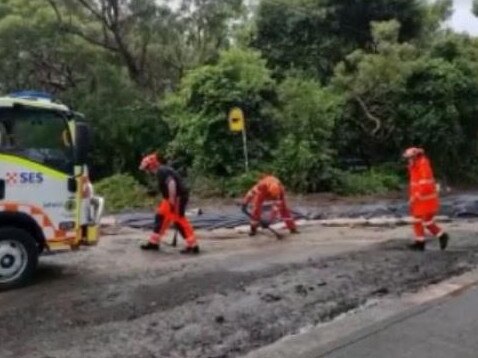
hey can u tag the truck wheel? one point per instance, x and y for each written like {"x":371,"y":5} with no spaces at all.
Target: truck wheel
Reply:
{"x":18,"y":257}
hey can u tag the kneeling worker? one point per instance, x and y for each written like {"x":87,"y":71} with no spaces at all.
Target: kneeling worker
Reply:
{"x":171,"y":210}
{"x":424,"y":201}
{"x":269,"y":188}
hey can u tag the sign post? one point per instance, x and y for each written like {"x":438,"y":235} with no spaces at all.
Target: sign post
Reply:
{"x":237,"y":123}
{"x":244,"y":144}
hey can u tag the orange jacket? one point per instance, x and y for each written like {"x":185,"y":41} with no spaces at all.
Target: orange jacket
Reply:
{"x":423,"y":189}
{"x":268,"y":188}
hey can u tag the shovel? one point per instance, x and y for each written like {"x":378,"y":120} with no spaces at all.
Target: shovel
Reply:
{"x":264,"y":225}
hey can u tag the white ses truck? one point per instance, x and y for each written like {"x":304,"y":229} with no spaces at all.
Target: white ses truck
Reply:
{"x":46,"y":198}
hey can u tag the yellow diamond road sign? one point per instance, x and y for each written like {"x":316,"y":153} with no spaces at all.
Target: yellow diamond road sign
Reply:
{"x":236,"y":120}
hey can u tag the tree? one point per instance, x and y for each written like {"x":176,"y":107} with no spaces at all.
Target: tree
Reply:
{"x":35,"y":54}
{"x":203,"y":28}
{"x":436,"y":13}
{"x":331,"y":79}
{"x":314,"y":35}
{"x":154,"y":43}
{"x":442,"y":118}
{"x":398,"y":96}
{"x":307,"y":113}
{"x":126,"y":123}
{"x":125,"y":28}
{"x":373,"y":84}
{"x":198,"y":114}
{"x":447,"y":81}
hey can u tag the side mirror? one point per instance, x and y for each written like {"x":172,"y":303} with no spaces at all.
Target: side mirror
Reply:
{"x":72,"y":185}
{"x":2,"y":189}
{"x":82,"y":143}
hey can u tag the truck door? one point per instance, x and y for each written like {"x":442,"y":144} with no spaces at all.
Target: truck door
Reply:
{"x":36,"y":160}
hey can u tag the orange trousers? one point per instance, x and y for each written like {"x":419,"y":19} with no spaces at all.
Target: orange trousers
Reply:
{"x":167,"y":214}
{"x":425,"y":222}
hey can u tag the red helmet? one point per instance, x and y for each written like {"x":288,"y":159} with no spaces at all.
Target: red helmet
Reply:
{"x":413,"y":152}
{"x":150,"y":162}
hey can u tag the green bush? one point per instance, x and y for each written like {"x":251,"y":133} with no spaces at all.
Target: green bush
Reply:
{"x":126,"y":123}
{"x":307,"y":113}
{"x":207,"y":187}
{"x":237,"y":186}
{"x":370,"y":182}
{"x":197,"y":114}
{"x":122,"y":191}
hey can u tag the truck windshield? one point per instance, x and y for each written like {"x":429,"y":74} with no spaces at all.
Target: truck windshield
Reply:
{"x":38,"y":135}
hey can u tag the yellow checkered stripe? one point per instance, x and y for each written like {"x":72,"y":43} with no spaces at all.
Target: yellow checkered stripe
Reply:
{"x":51,"y":233}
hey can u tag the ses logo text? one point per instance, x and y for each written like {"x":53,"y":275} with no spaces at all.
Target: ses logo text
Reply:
{"x":23,"y":178}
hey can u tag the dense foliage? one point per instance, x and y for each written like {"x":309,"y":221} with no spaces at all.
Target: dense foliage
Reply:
{"x":123,"y":192}
{"x":198,"y":112}
{"x":322,"y":83}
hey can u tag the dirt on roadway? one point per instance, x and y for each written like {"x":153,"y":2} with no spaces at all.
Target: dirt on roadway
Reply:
{"x":240,"y":294}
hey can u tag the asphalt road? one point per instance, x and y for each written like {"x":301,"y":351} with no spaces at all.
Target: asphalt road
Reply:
{"x":446,"y":329}
{"x":240,"y":294}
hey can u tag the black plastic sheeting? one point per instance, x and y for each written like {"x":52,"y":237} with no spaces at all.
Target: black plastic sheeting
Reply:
{"x":458,"y":207}
{"x":226,"y":219}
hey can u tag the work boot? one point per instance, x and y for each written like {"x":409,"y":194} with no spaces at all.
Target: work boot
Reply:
{"x":294,"y":231}
{"x":417,"y":246}
{"x":444,"y":238}
{"x":190,"y":250}
{"x":253,"y":231}
{"x":150,"y":246}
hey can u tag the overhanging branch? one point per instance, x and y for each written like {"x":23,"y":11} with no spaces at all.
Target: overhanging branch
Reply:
{"x":369,"y":115}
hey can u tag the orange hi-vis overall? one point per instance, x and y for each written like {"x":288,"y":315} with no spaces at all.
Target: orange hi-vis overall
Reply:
{"x":269,"y":188}
{"x":168,"y":213}
{"x":424,"y":201}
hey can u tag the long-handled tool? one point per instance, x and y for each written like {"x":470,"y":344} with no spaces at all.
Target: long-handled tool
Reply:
{"x":263,"y":224}
{"x":174,"y":243}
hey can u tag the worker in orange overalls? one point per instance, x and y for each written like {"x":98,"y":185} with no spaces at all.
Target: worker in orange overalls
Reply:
{"x":424,"y":201}
{"x":269,"y":188}
{"x":172,"y":208}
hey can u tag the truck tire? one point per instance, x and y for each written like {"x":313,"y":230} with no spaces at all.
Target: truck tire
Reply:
{"x":18,"y":257}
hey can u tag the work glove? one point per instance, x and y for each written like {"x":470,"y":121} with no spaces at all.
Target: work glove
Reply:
{"x":173,"y":209}
{"x":243,"y":206}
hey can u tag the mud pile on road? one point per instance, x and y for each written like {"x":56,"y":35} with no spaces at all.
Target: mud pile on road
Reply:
{"x":219,"y":313}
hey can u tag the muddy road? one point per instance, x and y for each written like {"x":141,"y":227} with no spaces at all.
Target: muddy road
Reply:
{"x":240,"y":294}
